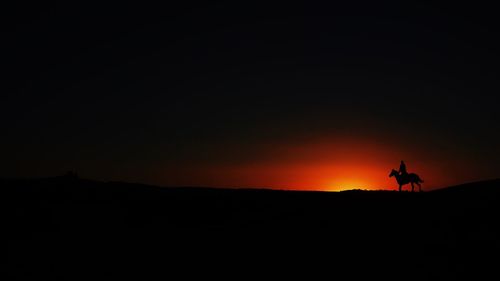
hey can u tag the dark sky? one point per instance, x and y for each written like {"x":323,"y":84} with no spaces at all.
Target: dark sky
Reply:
{"x":234,"y":94}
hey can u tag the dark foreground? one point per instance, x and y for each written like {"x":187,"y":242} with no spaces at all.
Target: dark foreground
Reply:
{"x":71,"y":229}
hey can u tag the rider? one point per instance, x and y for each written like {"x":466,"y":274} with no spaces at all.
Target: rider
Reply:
{"x":402,"y":169}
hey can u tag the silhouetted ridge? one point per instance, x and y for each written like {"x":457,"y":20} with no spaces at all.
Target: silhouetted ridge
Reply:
{"x":474,"y":187}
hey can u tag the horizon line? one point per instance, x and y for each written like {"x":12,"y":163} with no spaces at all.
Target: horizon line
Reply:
{"x":76,"y":177}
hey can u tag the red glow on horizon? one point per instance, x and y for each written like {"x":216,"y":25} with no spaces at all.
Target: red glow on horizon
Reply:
{"x":325,"y":166}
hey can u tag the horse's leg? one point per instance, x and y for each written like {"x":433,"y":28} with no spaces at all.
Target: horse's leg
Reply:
{"x":400,"y":188}
{"x":419,"y":187}
{"x":412,"y":187}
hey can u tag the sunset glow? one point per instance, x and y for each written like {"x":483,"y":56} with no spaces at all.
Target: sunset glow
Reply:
{"x":348,"y":184}
{"x":334,"y":165}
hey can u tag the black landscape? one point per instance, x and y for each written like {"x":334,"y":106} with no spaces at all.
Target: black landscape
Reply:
{"x":75,"y":229}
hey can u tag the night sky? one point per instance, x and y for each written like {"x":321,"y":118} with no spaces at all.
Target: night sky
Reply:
{"x":244,"y":95}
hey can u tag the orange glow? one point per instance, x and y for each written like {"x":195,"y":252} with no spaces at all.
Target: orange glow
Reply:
{"x":347,"y":183}
{"x":331,"y":165}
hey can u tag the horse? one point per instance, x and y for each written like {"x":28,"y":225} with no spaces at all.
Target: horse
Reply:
{"x":406,"y":179}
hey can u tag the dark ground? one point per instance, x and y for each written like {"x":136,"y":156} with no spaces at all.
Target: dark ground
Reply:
{"x":72,"y":229}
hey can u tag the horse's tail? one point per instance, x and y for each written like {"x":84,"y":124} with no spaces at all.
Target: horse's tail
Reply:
{"x":419,"y":179}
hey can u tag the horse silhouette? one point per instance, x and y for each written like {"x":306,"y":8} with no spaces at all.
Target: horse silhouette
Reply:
{"x":403,"y":179}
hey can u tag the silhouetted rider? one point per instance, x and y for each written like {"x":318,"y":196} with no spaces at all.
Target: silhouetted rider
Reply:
{"x":402,"y":169}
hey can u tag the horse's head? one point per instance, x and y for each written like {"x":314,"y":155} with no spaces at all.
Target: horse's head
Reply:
{"x":393,"y":173}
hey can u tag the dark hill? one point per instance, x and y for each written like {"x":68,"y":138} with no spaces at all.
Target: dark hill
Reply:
{"x":70,"y":228}
{"x":489,"y":187}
